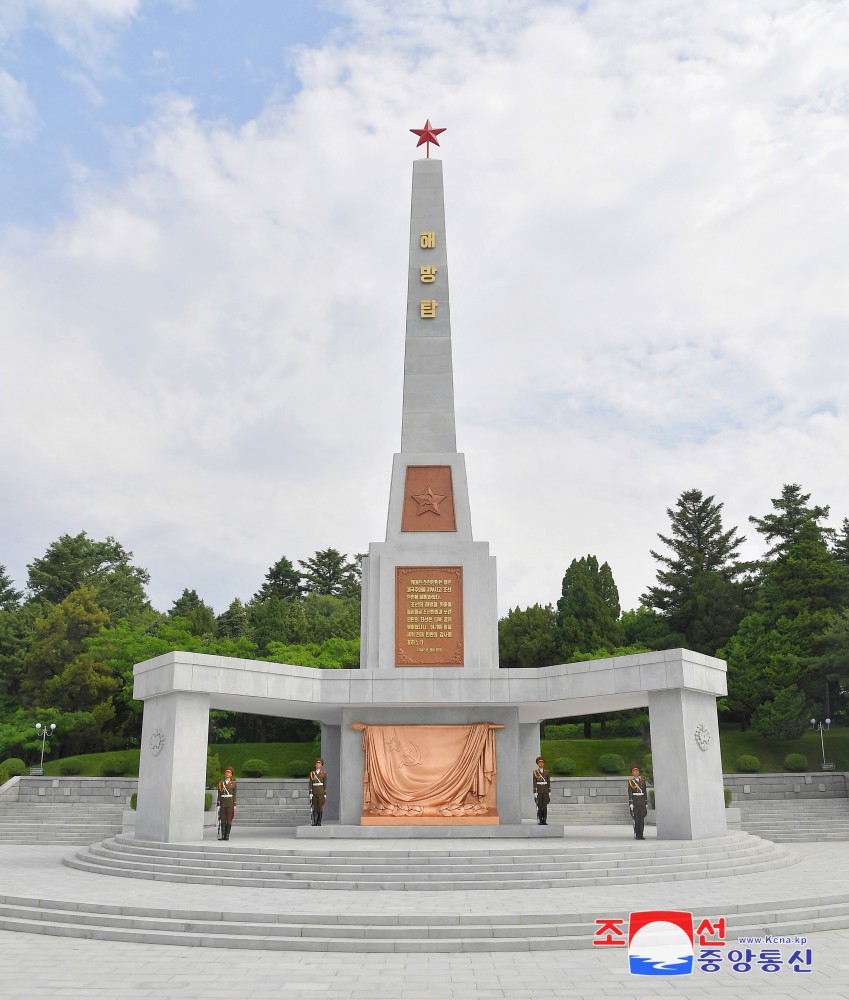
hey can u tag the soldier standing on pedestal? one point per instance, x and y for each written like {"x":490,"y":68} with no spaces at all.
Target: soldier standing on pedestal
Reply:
{"x":318,"y":791}
{"x":542,"y":791}
{"x":637,"y":801}
{"x":226,"y":802}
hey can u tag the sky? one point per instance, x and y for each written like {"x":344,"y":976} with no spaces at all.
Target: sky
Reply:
{"x":203,"y":239}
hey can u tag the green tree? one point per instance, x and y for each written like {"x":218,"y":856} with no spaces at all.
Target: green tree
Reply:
{"x":74,"y":561}
{"x":59,"y":638}
{"x":9,"y":597}
{"x":282,"y":581}
{"x":528,"y":638}
{"x":16,"y":629}
{"x":791,"y":512}
{"x":234,"y":621}
{"x":802,"y":593}
{"x":330,"y":573}
{"x":784,"y":717}
{"x":649,"y":629}
{"x":841,"y":544}
{"x":199,"y":616}
{"x":588,"y":610}
{"x":697,"y":590}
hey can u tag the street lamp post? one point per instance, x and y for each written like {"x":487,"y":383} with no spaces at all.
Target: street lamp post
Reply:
{"x":44,"y":732}
{"x":822,"y":727}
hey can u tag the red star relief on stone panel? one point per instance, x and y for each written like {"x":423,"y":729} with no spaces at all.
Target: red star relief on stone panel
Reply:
{"x":427,"y":134}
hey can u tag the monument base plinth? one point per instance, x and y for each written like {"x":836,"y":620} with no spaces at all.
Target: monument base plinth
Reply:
{"x":429,"y":821}
{"x":504,"y":831}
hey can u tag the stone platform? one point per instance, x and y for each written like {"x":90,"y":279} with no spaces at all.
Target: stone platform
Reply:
{"x":503,"y":831}
{"x":246,"y":894}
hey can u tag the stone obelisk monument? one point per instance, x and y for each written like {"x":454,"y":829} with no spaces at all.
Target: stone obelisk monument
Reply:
{"x":430,"y":732}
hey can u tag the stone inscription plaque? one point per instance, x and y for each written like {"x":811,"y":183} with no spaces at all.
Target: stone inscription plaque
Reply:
{"x":428,"y":499}
{"x":428,"y":616}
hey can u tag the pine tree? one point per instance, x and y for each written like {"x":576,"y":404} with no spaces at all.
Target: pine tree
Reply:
{"x":234,"y":621}
{"x":200,"y":616}
{"x":59,"y":638}
{"x":329,"y":572}
{"x":282,"y":580}
{"x":74,"y":561}
{"x":840,"y":547}
{"x":697,"y":589}
{"x":791,"y":513}
{"x":528,"y":638}
{"x":588,"y":610}
{"x":9,"y":597}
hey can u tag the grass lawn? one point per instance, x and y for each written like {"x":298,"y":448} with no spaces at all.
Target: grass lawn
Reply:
{"x":585,"y":753}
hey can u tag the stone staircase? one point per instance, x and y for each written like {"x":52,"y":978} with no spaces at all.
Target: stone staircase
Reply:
{"x":421,"y":868}
{"x":55,"y":823}
{"x":328,"y":932}
{"x":590,"y":814}
{"x":797,"y":820}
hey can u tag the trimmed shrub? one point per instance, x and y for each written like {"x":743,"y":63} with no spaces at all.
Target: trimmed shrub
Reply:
{"x":70,"y":765}
{"x":651,"y":798}
{"x":207,"y":801}
{"x":114,"y":766}
{"x":256,"y":767}
{"x":564,"y":765}
{"x":729,"y":794}
{"x":298,"y":769}
{"x":213,"y":769}
{"x":134,"y":800}
{"x":611,"y":763}
{"x":795,"y":762}
{"x":563,"y":731}
{"x":14,"y":767}
{"x":748,"y":763}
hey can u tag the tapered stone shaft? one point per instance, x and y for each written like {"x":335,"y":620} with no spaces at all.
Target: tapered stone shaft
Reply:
{"x":427,"y":423}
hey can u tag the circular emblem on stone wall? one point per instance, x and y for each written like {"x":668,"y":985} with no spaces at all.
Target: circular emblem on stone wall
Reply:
{"x":702,"y":736}
{"x":157,"y":741}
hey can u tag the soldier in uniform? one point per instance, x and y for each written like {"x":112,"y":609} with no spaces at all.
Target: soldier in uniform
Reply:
{"x":226,"y":802}
{"x":542,"y":791}
{"x":638,"y":803}
{"x":318,"y":791}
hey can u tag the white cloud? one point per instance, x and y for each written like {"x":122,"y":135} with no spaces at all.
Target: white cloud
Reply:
{"x":647,"y":243}
{"x":18,"y":116}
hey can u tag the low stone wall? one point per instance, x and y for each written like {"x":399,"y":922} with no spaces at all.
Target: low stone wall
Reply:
{"x":788,"y":785}
{"x":94,"y":791}
{"x":293,"y":792}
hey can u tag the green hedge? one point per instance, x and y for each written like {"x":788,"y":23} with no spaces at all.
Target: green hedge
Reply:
{"x":748,"y":763}
{"x":796,"y":762}
{"x":70,"y":765}
{"x":298,"y":769}
{"x":611,"y":763}
{"x":114,"y":766}
{"x":728,"y":793}
{"x":12,"y":767}
{"x":256,"y":767}
{"x":564,"y":765}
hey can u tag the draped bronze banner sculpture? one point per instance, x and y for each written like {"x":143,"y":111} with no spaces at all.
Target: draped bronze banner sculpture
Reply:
{"x":429,"y":775}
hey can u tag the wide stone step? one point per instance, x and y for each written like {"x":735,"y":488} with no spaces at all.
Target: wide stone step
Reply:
{"x":375,"y":933}
{"x":442,"y":870}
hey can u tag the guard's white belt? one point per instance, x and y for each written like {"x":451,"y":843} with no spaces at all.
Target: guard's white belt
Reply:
{"x":318,"y":784}
{"x":226,"y":795}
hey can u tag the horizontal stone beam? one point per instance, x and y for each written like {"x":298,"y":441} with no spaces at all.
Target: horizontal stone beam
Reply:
{"x":260,"y":687}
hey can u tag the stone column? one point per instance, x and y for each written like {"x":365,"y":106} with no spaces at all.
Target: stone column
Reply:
{"x":529,"y":750}
{"x":172,"y":768}
{"x":687,"y":765}
{"x":331,"y":748}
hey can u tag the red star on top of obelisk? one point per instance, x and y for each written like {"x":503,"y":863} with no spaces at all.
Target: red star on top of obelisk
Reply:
{"x":427,"y":134}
